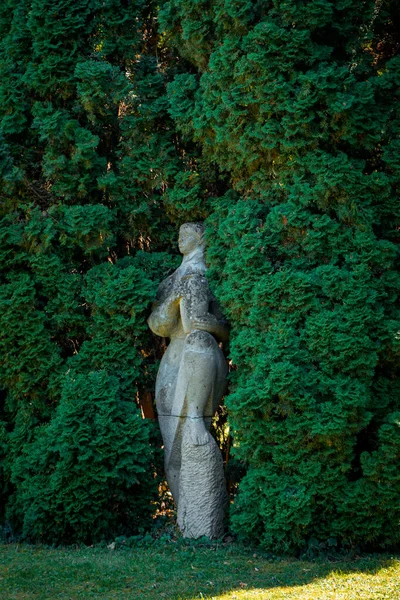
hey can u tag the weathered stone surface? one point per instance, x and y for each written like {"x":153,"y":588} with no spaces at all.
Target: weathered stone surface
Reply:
{"x":190,"y":384}
{"x":202,"y":489}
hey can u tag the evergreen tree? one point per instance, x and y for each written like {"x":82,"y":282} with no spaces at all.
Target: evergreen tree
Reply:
{"x":296,"y":108}
{"x":87,"y":150}
{"x":298,"y":103}
{"x":86,"y":475}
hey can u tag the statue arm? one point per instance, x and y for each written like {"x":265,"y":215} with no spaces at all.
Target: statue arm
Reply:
{"x":210,"y":323}
{"x":195,"y":310}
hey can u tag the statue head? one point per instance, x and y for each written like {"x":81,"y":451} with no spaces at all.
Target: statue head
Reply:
{"x":191,"y":236}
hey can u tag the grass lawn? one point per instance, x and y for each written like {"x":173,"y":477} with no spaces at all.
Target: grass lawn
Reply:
{"x":186,"y":571}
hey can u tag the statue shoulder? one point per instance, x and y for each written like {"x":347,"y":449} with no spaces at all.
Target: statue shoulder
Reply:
{"x":195,"y":278}
{"x":195,"y":284}
{"x":193,"y":269}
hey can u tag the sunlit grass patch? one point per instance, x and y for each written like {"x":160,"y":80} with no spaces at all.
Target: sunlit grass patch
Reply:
{"x":384,"y":584}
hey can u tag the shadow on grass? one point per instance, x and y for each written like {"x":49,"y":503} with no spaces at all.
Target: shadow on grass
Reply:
{"x":178,"y":571}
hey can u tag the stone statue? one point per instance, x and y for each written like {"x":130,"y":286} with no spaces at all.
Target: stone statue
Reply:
{"x":190,"y":384}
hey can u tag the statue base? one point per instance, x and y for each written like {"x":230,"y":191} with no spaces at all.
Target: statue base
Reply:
{"x":202,"y":491}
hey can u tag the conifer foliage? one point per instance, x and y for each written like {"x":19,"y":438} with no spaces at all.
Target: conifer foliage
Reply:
{"x":278,"y":122}
{"x":87,"y":474}
{"x":86,"y":152}
{"x":298,"y":103}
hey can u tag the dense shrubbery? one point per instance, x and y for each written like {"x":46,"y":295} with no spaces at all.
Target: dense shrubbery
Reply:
{"x":87,"y":149}
{"x":295,"y":107}
{"x":86,"y":475}
{"x":298,"y":102}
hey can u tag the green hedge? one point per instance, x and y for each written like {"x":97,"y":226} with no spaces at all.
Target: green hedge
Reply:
{"x":298,"y":103}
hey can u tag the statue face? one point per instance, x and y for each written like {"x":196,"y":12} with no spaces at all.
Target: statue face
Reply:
{"x":189,"y":240}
